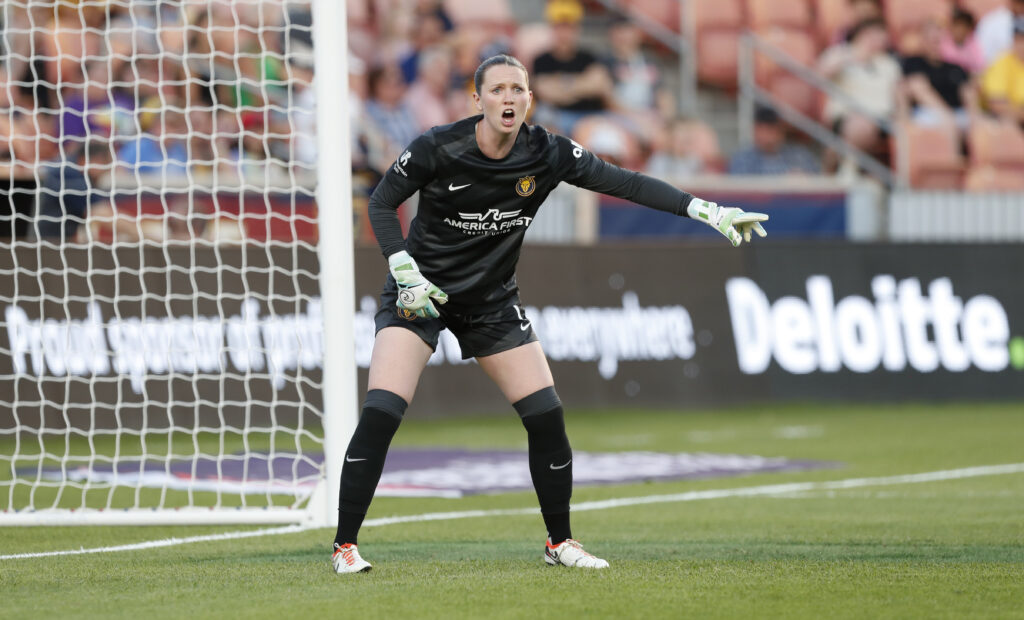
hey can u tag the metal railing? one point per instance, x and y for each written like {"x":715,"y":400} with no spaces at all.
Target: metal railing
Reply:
{"x":751,"y":94}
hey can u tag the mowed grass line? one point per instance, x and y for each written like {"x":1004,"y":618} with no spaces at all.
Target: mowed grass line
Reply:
{"x":947,"y":549}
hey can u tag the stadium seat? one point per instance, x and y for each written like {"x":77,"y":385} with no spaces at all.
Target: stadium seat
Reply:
{"x":718,"y":54}
{"x":464,"y":12}
{"x":996,"y":144}
{"x":762,"y":14}
{"x":992,"y":179}
{"x":714,"y":14}
{"x":530,"y":41}
{"x":978,"y":8}
{"x":664,"y":12}
{"x":831,"y":16}
{"x":797,"y":43}
{"x":932,"y":156}
{"x":609,"y":139}
{"x":798,"y":94}
{"x":904,"y":16}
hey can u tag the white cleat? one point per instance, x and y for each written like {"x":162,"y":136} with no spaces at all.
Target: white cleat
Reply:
{"x":346,"y":559}
{"x":570,"y":553}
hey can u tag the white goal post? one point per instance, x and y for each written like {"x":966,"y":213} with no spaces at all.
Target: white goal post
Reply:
{"x":176,"y":262}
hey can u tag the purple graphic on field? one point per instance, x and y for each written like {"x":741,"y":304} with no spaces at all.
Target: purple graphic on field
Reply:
{"x":421,"y":472}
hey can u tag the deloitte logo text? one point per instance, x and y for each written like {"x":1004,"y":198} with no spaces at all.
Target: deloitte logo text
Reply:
{"x":900,"y":327}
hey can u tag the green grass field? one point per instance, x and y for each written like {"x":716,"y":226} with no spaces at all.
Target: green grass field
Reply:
{"x":944,"y":549}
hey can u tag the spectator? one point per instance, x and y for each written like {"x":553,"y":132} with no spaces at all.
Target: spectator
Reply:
{"x":771,"y":153}
{"x":428,"y":95}
{"x":70,"y":189}
{"x":940,"y":92}
{"x":868,"y":75}
{"x":638,"y":83}
{"x":681,"y":154}
{"x":99,"y":109}
{"x":429,"y":32}
{"x":161,"y":147}
{"x":995,"y":30}
{"x":569,"y":82}
{"x":960,"y":46}
{"x":389,"y":110}
{"x":1003,"y":83}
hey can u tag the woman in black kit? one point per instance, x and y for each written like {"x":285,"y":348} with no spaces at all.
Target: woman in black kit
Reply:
{"x":481,"y":180}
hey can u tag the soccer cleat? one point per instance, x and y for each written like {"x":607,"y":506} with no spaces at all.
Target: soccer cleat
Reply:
{"x":346,"y":559}
{"x":570,"y":553}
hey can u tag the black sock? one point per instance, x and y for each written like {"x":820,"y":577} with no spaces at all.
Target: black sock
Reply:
{"x":550,"y":459}
{"x":364,"y":460}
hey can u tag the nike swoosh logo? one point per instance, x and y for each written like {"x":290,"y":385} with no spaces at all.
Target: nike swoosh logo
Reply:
{"x":525,"y":326}
{"x":561,"y":466}
{"x":452,"y":188}
{"x":349,"y":459}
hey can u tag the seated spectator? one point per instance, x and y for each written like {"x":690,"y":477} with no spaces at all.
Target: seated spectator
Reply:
{"x":1003,"y":83}
{"x":771,"y":153}
{"x":70,"y":190}
{"x":161,"y":148}
{"x":638,"y":83}
{"x":863,"y":69}
{"x":389,"y":110}
{"x":960,"y":46}
{"x":940,"y":92}
{"x":428,"y":32}
{"x":428,"y":95}
{"x":680,"y":155}
{"x":569,"y":83}
{"x":995,"y":30}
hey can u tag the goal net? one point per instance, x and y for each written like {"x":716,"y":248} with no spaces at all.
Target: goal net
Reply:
{"x":161,"y":317}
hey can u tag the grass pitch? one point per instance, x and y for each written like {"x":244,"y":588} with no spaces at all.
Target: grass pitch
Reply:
{"x":944,"y":549}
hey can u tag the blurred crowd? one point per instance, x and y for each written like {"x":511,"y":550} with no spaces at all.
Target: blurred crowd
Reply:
{"x":184,"y":88}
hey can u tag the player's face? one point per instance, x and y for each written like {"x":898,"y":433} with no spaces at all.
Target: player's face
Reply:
{"x":504,"y":98}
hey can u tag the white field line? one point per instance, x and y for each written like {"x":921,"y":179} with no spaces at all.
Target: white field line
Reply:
{"x":689,"y":496}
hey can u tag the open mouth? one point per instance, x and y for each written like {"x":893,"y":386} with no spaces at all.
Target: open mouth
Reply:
{"x":508,"y":117}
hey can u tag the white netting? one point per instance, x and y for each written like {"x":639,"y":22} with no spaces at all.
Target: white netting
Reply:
{"x":160,"y":334}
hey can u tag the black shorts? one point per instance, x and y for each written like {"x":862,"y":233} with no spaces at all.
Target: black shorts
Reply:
{"x":479,"y":335}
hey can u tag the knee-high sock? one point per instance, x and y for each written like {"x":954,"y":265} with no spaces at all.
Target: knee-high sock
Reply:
{"x":550,"y":459}
{"x":364,"y":460}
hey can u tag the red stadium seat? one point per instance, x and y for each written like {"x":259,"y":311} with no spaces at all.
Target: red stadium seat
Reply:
{"x":798,"y":44}
{"x":797,"y":94}
{"x":904,"y":16}
{"x":831,"y":16}
{"x":494,"y":13}
{"x":763,"y":14}
{"x":718,"y":57}
{"x":530,"y":41}
{"x":978,"y":8}
{"x":992,"y":179}
{"x":996,"y":144}
{"x":664,"y":12}
{"x":715,"y":14}
{"x":932,"y":155}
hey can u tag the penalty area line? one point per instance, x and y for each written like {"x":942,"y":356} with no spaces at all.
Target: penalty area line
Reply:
{"x":688,"y":496}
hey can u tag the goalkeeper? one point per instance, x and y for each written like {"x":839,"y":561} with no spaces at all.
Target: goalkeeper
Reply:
{"x":481,"y":181}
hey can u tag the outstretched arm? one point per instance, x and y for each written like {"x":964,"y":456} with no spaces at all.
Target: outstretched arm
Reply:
{"x":591,"y":172}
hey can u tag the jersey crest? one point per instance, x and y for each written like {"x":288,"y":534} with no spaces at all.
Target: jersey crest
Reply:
{"x":526,"y":185}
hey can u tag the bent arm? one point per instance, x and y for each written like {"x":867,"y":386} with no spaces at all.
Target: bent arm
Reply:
{"x":413,"y":170}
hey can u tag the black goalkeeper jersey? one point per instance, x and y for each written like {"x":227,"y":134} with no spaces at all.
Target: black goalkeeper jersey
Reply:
{"x":474,"y":211}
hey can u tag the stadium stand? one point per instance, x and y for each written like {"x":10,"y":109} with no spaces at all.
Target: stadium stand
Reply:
{"x":933,"y":159}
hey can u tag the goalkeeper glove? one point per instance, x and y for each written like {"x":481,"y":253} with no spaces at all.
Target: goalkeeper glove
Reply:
{"x":414,"y":291}
{"x":734,"y":223}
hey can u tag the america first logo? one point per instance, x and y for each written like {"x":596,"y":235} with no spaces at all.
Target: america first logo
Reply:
{"x":490,"y":222}
{"x":526,"y":185}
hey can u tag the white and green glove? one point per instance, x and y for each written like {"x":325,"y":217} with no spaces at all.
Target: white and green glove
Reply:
{"x":415,"y":293}
{"x":734,"y":223}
